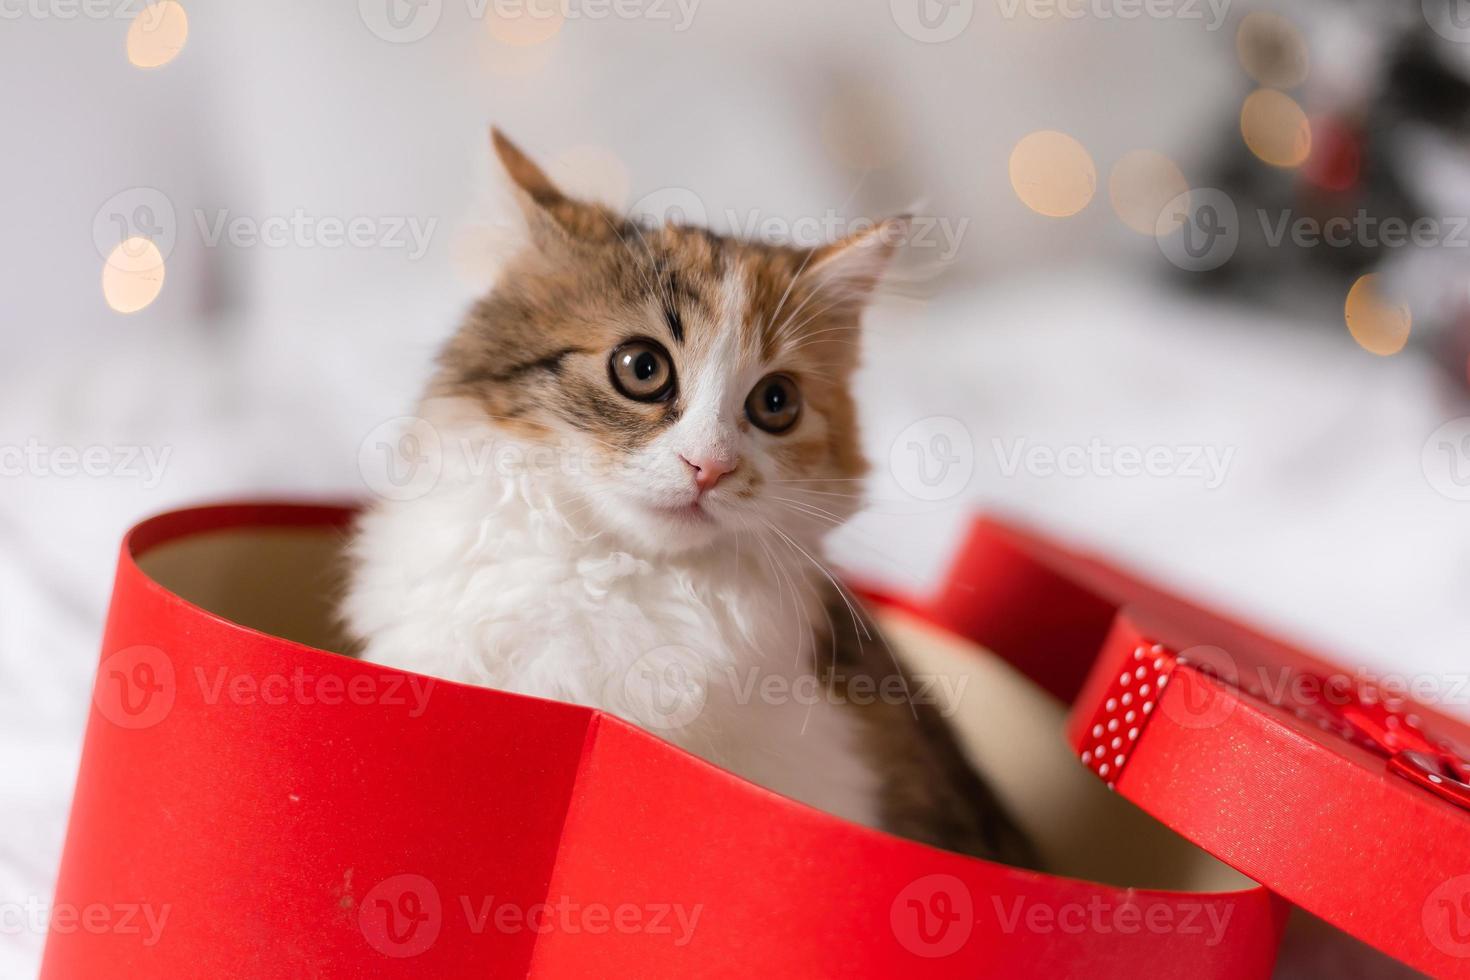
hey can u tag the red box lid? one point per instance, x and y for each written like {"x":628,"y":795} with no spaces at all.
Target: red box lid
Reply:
{"x":1346,"y":796}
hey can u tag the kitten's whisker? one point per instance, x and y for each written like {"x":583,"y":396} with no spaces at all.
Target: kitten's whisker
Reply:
{"x":863,"y":630}
{"x":807,"y":508}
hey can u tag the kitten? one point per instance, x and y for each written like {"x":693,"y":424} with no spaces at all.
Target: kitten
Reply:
{"x":635,"y":443}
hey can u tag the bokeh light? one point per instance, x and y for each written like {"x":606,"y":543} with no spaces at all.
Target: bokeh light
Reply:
{"x":132,"y":276}
{"x":1379,"y":325}
{"x":1141,"y":183}
{"x":1275,"y":128}
{"x":157,"y":34}
{"x":525,"y":24}
{"x":1052,"y":173}
{"x":1272,"y":50}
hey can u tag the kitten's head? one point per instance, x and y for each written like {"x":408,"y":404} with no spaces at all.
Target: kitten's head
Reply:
{"x":693,"y":385}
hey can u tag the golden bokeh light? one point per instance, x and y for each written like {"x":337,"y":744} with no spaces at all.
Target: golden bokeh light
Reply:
{"x":1272,"y":50}
{"x":1141,"y":183}
{"x":1275,"y":128}
{"x":525,"y":24}
{"x":157,"y":34}
{"x":1052,"y":173}
{"x":1377,"y":323}
{"x":132,"y":276}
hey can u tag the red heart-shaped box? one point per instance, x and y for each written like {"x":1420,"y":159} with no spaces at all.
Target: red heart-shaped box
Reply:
{"x":250,"y":805}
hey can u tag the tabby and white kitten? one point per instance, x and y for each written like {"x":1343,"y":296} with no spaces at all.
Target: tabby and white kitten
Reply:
{"x":639,"y":438}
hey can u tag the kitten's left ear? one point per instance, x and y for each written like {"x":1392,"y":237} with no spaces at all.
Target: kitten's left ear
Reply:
{"x":855,"y":265}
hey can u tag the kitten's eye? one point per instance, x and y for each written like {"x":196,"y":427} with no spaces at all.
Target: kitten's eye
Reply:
{"x":641,"y":370}
{"x":774,"y":404}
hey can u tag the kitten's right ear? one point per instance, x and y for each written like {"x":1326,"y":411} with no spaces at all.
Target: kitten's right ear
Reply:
{"x":551,"y":216}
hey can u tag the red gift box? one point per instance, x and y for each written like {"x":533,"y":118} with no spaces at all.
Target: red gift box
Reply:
{"x":249,"y":804}
{"x":1340,"y":791}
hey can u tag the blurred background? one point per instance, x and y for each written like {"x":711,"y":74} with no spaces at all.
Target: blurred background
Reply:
{"x":1189,"y":284}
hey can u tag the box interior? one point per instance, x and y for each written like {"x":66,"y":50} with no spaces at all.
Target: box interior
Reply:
{"x":284,"y":581}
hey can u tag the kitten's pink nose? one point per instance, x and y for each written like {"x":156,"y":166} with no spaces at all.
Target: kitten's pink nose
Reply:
{"x":708,"y":470}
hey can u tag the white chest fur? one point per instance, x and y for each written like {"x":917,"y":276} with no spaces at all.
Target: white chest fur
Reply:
{"x":487,"y":579}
